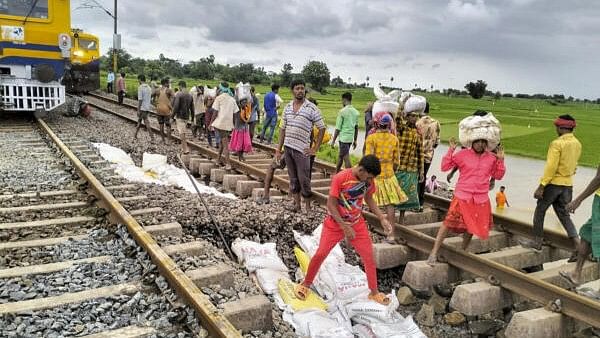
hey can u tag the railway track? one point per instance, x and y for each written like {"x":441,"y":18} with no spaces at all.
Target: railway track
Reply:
{"x":74,"y":259}
{"x":500,"y":263}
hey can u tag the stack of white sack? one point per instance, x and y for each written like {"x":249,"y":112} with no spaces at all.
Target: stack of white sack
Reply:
{"x":376,"y":320}
{"x":261,"y":259}
{"x":336,"y":278}
{"x":155,"y":169}
{"x":385,"y":102}
{"x":414,"y":104}
{"x":475,"y":127}
{"x":242,"y":91}
{"x":315,"y":323}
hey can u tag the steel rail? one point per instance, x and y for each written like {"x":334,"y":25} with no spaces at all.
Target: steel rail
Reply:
{"x":573,"y":305}
{"x":214,"y":322}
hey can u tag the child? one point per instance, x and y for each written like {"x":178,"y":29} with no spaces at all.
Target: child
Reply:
{"x":384,"y":145}
{"x":344,"y":219}
{"x":240,"y":137}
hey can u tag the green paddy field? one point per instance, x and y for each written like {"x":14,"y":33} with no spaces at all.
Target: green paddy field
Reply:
{"x":526,"y":123}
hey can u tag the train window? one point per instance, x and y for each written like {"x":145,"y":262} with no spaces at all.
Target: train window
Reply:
{"x":87,"y":44}
{"x":35,"y":8}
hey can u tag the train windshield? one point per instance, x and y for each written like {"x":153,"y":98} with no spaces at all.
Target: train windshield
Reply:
{"x":87,"y":44}
{"x":35,"y":8}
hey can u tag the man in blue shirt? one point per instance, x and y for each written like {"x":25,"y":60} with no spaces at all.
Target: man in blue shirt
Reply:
{"x":270,"y":104}
{"x":110,"y":79}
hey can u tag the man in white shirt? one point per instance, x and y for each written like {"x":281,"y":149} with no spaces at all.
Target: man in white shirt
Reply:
{"x":224,"y":106}
{"x":144,"y":106}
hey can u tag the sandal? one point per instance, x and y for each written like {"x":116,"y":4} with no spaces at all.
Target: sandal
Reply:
{"x":567,"y":276}
{"x":380,"y":298}
{"x":301,"y":291}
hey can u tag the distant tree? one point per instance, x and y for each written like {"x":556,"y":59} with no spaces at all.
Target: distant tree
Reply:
{"x":507,"y":95}
{"x":337,"y":81}
{"x":286,"y":74}
{"x":522,"y":96}
{"x":317,"y":74}
{"x":476,"y":89}
{"x":497,"y":95}
{"x":570,"y":98}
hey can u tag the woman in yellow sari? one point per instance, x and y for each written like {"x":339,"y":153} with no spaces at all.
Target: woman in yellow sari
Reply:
{"x":383,"y":144}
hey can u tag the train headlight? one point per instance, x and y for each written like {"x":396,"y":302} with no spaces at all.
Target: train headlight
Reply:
{"x":78,"y":53}
{"x":64,"y":43}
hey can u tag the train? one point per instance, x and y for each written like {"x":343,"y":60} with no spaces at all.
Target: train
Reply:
{"x":41,"y":57}
{"x":83,"y":71}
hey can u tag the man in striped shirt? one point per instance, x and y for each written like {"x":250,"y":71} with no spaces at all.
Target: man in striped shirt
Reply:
{"x":299,"y":117}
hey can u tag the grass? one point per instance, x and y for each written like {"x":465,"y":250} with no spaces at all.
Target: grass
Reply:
{"x":526,"y":123}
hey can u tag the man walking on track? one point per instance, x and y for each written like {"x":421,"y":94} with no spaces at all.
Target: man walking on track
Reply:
{"x":270,"y":105}
{"x":589,"y":232}
{"x":345,"y":220}
{"x":144,"y":106}
{"x":429,"y":128}
{"x":224,"y":107}
{"x":501,"y":200}
{"x":121,"y":88}
{"x":556,"y":184}
{"x":183,"y":108}
{"x":346,"y":126}
{"x":410,"y":162}
{"x":110,"y":79}
{"x":299,"y":118}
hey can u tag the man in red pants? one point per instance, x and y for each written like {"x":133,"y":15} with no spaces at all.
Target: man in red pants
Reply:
{"x":344,"y":219}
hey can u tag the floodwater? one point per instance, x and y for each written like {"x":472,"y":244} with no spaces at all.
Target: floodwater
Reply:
{"x":521,"y":179}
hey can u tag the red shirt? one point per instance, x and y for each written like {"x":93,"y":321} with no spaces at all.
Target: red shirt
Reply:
{"x":349,"y":192}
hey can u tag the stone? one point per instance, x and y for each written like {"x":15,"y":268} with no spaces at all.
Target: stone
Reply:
{"x":244,"y":188}
{"x":230,"y":181}
{"x":454,"y":318}
{"x":389,"y":256}
{"x":250,"y":314}
{"x":485,"y":327}
{"x":205,"y":168}
{"x":537,"y":323}
{"x":476,"y":299}
{"x":425,"y":316}
{"x":221,"y":274}
{"x":216,"y":175}
{"x":421,"y":276}
{"x":438,"y":303}
{"x":405,"y":296}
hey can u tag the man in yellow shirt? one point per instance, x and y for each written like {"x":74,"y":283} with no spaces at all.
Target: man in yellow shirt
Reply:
{"x":556,"y":185}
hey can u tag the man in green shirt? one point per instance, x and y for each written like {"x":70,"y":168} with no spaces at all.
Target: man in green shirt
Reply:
{"x":346,"y":127}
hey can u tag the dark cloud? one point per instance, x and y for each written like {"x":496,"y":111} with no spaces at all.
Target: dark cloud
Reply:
{"x":435,"y":66}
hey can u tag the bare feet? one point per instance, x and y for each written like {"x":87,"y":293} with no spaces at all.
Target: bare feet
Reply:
{"x":432,"y":260}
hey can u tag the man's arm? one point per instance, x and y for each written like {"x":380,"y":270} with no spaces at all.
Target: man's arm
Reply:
{"x":592,"y":187}
{"x":355,"y":136}
{"x":385,"y":224}
{"x":338,"y":127}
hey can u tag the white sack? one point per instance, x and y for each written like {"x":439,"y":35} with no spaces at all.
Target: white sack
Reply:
{"x":257,"y":256}
{"x":318,"y":324}
{"x":385,"y":102}
{"x":474,"y":128}
{"x":267,"y":279}
{"x":243,"y":91}
{"x":373,"y":311}
{"x":415,"y":103}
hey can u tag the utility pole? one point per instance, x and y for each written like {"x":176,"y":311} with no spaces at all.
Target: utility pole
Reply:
{"x":115,"y":37}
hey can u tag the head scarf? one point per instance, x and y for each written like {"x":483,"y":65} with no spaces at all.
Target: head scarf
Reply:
{"x":564,"y":123}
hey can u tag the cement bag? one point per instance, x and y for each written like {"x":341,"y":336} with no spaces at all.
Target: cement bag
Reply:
{"x":373,"y":312}
{"x":257,"y":256}
{"x":286,"y":292}
{"x":403,"y":328}
{"x":154,"y":162}
{"x":310,"y":244}
{"x":303,"y":259}
{"x":363,"y":331}
{"x":385,"y":102}
{"x":210,"y":92}
{"x":113,"y":154}
{"x":267,"y":279}
{"x":474,"y":128}
{"x":242,"y":91}
{"x":414,"y":104}
{"x":344,"y":281}
{"x":318,"y":324}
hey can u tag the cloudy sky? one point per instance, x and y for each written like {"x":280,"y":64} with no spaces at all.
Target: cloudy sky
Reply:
{"x":527,"y":46}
